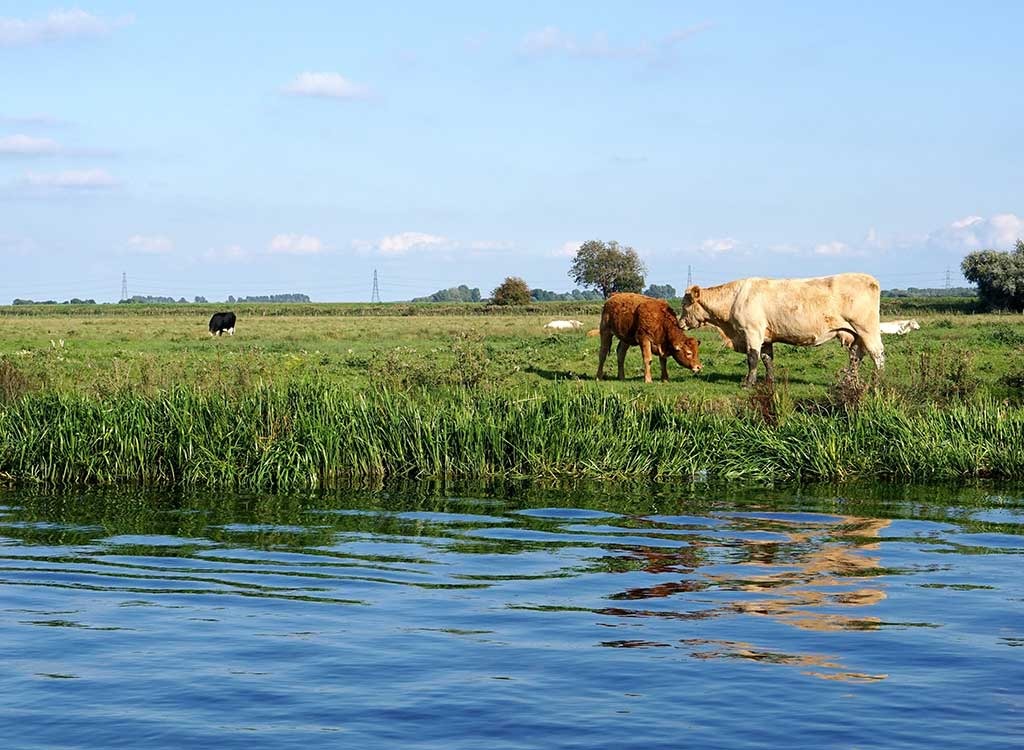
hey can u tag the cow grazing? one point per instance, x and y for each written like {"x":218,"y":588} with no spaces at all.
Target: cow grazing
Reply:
{"x":753,"y":314}
{"x":652,"y":325}
{"x":563,"y":325}
{"x":222,"y":321}
{"x":898,"y":327}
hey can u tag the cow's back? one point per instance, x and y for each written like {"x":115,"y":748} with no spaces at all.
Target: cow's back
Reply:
{"x":619,"y":314}
{"x":800,"y":311}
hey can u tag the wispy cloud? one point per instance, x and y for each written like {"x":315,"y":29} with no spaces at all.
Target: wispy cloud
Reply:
{"x":998,"y":232}
{"x":150,"y":244}
{"x":833,"y":248}
{"x":86,"y":179}
{"x":27,"y":145}
{"x":57,"y":26}
{"x":295,"y":244}
{"x":567,"y":249}
{"x":325,"y":85}
{"x":553,"y":41}
{"x":34,"y":121}
{"x":716,"y":245}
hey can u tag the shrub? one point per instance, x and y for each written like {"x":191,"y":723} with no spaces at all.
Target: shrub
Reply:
{"x":512,"y":291}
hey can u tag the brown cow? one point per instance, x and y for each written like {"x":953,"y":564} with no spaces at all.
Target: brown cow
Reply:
{"x":755,"y":313}
{"x":649,"y":323}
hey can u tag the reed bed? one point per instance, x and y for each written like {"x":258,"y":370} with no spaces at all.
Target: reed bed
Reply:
{"x":313,"y":434}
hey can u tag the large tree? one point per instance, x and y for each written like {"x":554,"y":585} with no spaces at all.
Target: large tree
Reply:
{"x":999,"y":276}
{"x":608,"y":267}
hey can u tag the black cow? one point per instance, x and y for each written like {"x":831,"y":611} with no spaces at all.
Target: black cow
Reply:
{"x":222,"y":321}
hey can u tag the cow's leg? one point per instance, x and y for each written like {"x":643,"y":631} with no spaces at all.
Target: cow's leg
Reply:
{"x":231,"y":331}
{"x":620,"y":353}
{"x":872,"y":344}
{"x":606,"y":345}
{"x":664,"y":369}
{"x":753,"y":355}
{"x":645,"y":348}
{"x":768,"y":357}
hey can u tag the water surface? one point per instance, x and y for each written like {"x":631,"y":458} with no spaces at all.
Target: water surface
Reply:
{"x":576,"y":618}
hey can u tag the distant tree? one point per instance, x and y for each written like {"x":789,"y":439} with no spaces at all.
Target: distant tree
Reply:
{"x":608,"y":267}
{"x":576,"y":295}
{"x":913,"y":291}
{"x":999,"y":276}
{"x":662,"y":291}
{"x":512,"y":291}
{"x":271,"y":298}
{"x":460,"y":293}
{"x":199,"y":299}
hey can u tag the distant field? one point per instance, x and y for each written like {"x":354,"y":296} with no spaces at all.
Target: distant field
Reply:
{"x":97,"y":349}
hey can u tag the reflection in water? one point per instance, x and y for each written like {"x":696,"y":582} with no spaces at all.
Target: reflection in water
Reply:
{"x":327,"y":603}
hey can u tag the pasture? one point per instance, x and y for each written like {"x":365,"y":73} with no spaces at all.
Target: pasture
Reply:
{"x":99,"y":350}
{"x":320,"y":395}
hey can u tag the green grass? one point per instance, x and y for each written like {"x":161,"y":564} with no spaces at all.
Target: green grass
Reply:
{"x":311,"y":395}
{"x":315,"y":435}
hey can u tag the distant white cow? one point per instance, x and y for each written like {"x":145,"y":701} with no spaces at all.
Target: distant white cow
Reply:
{"x":563,"y":325}
{"x":898,"y":327}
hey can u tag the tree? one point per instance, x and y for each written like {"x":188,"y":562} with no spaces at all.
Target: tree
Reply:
{"x":999,"y":276}
{"x":512,"y":291}
{"x":662,"y":291}
{"x":608,"y":267}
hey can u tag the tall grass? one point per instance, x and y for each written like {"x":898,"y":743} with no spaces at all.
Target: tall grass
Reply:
{"x":310,"y":434}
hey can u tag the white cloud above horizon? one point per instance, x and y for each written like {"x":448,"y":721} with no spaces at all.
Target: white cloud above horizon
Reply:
{"x":295,"y":244}
{"x":27,"y":145}
{"x":567,"y":249}
{"x":151,"y":244}
{"x":552,"y":40}
{"x":998,"y":232}
{"x":83,"y":179}
{"x":58,"y":25}
{"x":325,"y":85}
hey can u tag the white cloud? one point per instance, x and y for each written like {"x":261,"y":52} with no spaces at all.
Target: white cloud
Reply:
{"x":998,"y":232}
{"x":296,"y":244}
{"x":151,"y":244}
{"x":488,"y":245}
{"x":229,"y":253}
{"x":400,"y":244}
{"x":551,"y":40}
{"x":327,"y":85}
{"x":56,"y":26}
{"x":567,"y":249}
{"x":716,"y":245}
{"x":27,"y":145}
{"x":831,"y":248}
{"x":86,"y":179}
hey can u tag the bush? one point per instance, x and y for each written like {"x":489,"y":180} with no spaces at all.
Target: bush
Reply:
{"x":999,"y":276}
{"x":512,"y":291}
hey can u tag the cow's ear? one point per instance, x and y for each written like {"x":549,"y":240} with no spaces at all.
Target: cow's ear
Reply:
{"x":693,"y":292}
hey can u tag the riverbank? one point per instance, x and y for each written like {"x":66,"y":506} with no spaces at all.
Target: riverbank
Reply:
{"x":317,"y":435}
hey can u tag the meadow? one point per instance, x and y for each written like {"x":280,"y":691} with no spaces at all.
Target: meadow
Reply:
{"x":308,"y":395}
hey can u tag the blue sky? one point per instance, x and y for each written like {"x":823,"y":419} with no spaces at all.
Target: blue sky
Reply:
{"x":272,"y":147}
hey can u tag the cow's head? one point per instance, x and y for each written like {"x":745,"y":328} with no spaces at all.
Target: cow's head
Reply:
{"x":684,"y":349}
{"x":693,"y":314}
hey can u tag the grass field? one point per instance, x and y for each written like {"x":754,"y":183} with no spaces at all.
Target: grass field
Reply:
{"x":312,"y":395}
{"x":97,"y":350}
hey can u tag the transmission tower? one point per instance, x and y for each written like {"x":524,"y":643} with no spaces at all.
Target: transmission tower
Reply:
{"x":947,"y":277}
{"x":375,"y":296}
{"x":124,"y":285}
{"x":689,"y":276}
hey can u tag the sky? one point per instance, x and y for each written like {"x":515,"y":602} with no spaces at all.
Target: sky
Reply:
{"x":259,"y":148}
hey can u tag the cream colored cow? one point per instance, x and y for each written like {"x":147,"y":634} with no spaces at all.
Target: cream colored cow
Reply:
{"x":753,"y":314}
